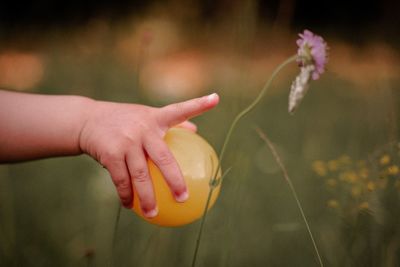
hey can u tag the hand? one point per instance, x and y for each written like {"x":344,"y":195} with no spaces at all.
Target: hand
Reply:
{"x":121,"y":136}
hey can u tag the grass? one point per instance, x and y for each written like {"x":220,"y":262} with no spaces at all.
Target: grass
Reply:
{"x":271,"y":146}
{"x":59,"y":209}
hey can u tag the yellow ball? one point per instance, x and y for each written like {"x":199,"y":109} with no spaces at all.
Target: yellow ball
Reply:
{"x":198,"y":163}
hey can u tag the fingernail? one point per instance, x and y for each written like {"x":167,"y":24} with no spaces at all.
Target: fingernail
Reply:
{"x":182,"y":197}
{"x":211,"y":97}
{"x":151,"y":213}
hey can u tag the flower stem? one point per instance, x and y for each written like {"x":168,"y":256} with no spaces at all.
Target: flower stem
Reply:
{"x":253,"y":104}
{"x":214,"y":181}
{"x":264,"y":137}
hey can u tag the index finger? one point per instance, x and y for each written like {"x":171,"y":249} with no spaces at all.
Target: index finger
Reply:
{"x":179,"y":112}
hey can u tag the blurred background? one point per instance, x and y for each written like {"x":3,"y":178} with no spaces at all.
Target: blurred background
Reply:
{"x":341,"y":147}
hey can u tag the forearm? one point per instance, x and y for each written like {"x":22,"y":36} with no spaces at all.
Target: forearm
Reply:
{"x":37,"y":126}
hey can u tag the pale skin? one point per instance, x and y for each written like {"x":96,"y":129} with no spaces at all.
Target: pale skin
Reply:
{"x":119,"y":136}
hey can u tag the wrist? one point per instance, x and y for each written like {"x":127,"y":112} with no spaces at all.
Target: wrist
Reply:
{"x":86,"y":109}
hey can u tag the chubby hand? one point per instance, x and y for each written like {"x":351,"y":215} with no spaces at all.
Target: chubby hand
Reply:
{"x":121,"y":137}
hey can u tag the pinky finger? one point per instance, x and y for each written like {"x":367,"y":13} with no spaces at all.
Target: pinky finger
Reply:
{"x":121,"y":179}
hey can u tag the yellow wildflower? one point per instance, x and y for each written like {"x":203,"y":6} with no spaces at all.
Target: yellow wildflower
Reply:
{"x":364,"y":205}
{"x":333,"y":203}
{"x":319,"y":168}
{"x":393,"y":170}
{"x":350,"y":177}
{"x":333,"y":165}
{"x":371,"y":186}
{"x":385,"y":159}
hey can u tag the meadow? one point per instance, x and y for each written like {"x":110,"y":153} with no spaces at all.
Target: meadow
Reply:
{"x":341,"y":149}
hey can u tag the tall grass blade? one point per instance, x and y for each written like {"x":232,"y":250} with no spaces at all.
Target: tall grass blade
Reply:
{"x":264,"y":137}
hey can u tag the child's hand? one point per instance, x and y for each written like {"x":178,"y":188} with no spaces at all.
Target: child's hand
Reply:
{"x":121,"y":136}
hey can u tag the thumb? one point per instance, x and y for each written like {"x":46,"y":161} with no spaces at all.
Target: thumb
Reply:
{"x":187,"y":125}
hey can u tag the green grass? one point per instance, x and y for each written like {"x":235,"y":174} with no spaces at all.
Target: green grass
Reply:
{"x":62,"y":212}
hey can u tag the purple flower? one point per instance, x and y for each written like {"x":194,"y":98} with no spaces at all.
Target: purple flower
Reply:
{"x":300,"y":87}
{"x":312,"y":51}
{"x":312,"y":57}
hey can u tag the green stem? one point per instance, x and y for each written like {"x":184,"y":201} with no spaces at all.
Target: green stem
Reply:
{"x":264,"y":137}
{"x":252,"y":105}
{"x":214,"y":180}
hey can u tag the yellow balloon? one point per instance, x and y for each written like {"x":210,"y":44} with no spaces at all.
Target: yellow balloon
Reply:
{"x":198,"y":163}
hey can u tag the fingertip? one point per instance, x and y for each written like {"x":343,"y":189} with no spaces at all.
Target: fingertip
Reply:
{"x":120,"y":177}
{"x":125,"y":194}
{"x":150,"y":213}
{"x":127,"y":203}
{"x":182,"y":197}
{"x":213,"y":99}
{"x":179,"y":112}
